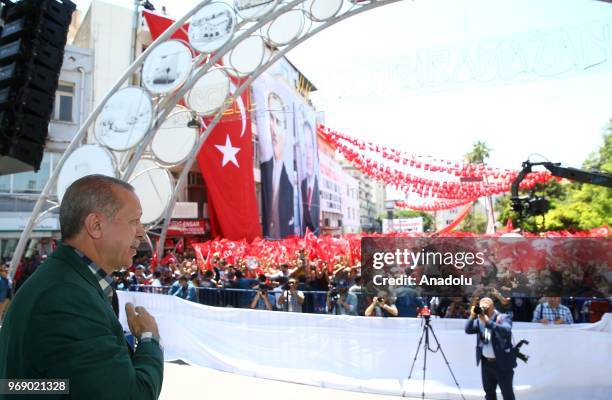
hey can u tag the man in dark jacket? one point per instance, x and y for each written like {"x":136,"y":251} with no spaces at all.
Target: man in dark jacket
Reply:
{"x":276,"y":180}
{"x":494,"y":348}
{"x":63,"y":322}
{"x":408,"y":302}
{"x":309,"y":186}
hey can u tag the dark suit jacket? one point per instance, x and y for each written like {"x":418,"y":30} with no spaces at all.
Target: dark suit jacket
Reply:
{"x":311,"y":214}
{"x":501,"y":339}
{"x":285,"y":201}
{"x":60,"y":325}
{"x":407,"y":301}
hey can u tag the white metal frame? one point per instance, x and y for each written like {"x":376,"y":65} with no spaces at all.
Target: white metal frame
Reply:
{"x":163,"y":105}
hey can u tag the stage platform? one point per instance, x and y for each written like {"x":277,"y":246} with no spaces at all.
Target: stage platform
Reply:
{"x":187,"y":382}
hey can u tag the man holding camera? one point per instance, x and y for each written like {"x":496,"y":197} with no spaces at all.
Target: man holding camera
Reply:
{"x":380,"y":307}
{"x":340,"y":301}
{"x":263,"y":299}
{"x":291,"y":299}
{"x":494,"y":348}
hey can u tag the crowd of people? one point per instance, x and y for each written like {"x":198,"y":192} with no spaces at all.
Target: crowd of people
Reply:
{"x":301,"y":285}
{"x":311,"y":286}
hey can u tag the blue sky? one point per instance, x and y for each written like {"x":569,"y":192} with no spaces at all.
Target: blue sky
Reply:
{"x":559,"y":108}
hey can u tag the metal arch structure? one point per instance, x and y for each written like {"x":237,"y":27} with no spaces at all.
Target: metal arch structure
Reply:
{"x":164,"y":104}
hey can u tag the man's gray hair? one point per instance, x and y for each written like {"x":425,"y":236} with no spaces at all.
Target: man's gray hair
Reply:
{"x":92,"y":193}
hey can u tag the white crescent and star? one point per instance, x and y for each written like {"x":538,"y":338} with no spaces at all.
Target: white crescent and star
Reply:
{"x":229,"y":152}
{"x":242,"y":109}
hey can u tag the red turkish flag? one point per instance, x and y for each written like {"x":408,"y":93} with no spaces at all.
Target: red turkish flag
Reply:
{"x":226,"y":162}
{"x":154,"y":260}
{"x":159,"y":23}
{"x":180,"y":246}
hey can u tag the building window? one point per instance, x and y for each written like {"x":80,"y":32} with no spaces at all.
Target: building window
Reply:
{"x":30,"y":182}
{"x":5,"y":184}
{"x":195,"y":179}
{"x":64,"y":100}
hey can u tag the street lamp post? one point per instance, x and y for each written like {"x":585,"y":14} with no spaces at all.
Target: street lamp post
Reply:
{"x":146,"y":4}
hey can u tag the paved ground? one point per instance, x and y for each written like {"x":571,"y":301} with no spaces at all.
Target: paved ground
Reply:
{"x":188,"y":382}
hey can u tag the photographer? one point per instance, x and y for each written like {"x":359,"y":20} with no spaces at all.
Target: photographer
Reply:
{"x":263,"y":299}
{"x":380,"y":307}
{"x":494,"y":350}
{"x":340,"y":301}
{"x":291,"y":299}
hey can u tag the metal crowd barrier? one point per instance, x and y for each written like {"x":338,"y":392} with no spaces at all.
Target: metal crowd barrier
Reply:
{"x":314,"y":301}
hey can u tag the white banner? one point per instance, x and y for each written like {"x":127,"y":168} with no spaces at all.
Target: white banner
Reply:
{"x":403,"y":225}
{"x":375,"y":354}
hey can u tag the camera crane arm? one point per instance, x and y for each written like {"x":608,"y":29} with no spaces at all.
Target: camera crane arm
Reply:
{"x":574,"y":174}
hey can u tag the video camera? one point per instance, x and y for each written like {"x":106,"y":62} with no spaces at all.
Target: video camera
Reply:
{"x":334,"y":295}
{"x":479,"y":310}
{"x":425,"y":313}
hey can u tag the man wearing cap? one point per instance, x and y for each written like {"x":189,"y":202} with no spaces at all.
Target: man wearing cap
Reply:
{"x":63,"y":322}
{"x":341,"y":301}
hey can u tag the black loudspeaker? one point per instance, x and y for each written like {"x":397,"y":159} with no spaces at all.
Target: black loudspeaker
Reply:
{"x":32,"y":42}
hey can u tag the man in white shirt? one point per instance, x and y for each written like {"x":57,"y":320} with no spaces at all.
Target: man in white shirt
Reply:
{"x":381,"y":307}
{"x":291,"y":299}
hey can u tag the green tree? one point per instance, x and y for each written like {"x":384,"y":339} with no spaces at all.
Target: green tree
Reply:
{"x":601,"y":160}
{"x":475,"y":223}
{"x":586,"y":206}
{"x":479,"y":153}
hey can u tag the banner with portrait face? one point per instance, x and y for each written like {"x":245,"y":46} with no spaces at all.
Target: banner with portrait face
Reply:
{"x":273,"y":100}
{"x":308,"y":164}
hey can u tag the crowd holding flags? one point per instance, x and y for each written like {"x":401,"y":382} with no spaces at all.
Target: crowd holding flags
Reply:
{"x":328,"y":251}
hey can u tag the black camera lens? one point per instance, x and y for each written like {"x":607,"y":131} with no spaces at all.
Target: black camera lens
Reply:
{"x":478,"y":310}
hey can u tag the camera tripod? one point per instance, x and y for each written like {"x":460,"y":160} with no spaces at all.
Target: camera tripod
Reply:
{"x":426,"y":347}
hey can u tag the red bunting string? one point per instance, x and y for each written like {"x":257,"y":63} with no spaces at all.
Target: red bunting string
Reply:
{"x":448,"y":184}
{"x":427,"y":163}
